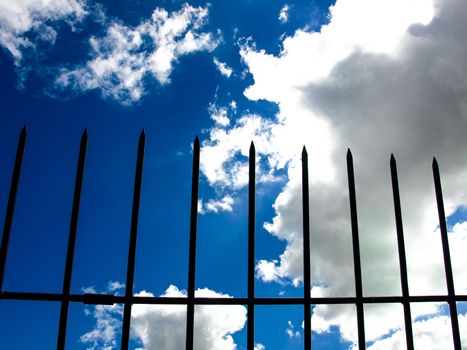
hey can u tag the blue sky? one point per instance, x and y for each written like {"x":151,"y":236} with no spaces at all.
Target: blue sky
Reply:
{"x":379,"y":77}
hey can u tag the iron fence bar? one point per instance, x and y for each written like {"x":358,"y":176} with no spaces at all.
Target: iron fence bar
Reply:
{"x":306,"y":252}
{"x":106,"y":299}
{"x":132,"y":244}
{"x":251,"y":249}
{"x":402,"y":255}
{"x":250,"y":301}
{"x":354,"y":300}
{"x":11,"y":203}
{"x":71,"y":242}
{"x":356,"y":252}
{"x":447,"y":257}
{"x":190,"y":301}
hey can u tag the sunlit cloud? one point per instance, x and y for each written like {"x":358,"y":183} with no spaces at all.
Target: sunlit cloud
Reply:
{"x":125,"y":56}
{"x":379,"y":84}
{"x":163,"y":326}
{"x":21,"y":19}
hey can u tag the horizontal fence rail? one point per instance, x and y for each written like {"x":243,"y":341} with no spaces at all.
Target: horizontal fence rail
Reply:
{"x":128,"y":300}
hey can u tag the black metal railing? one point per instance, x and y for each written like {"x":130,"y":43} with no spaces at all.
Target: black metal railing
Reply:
{"x":128,"y":300}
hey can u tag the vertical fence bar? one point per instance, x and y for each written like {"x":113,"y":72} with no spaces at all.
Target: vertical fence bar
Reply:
{"x":132,"y":245}
{"x":402,"y":255}
{"x":71,"y":243}
{"x":192,"y":252}
{"x":11,"y":203}
{"x":447,"y":257}
{"x":251,"y":248}
{"x":356,"y":252}
{"x":306,"y":252}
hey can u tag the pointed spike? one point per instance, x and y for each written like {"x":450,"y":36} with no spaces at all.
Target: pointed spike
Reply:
{"x":84,"y":136}
{"x":393,"y":166}
{"x":435,"y":163}
{"x":304,"y":152}
{"x":252,"y":147}
{"x":196,"y":144}
{"x":349,"y":154}
{"x":23,"y":134}
{"x":142,"y":138}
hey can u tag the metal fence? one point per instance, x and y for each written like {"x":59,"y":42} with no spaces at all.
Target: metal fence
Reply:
{"x":128,"y":300}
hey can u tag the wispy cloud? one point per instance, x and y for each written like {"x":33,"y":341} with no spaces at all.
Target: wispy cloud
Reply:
{"x":284,"y":14}
{"x":215,"y":205}
{"x":108,"y":321}
{"x":224,"y":161}
{"x":291,"y":332}
{"x":21,"y":19}
{"x":220,"y":115}
{"x":121,"y":60}
{"x":125,"y":56}
{"x":223,"y":68}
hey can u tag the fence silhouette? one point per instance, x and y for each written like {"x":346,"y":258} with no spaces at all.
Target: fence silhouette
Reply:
{"x":128,"y":300}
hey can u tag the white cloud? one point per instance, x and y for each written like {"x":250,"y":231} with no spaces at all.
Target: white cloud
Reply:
{"x":125,"y":56}
{"x":291,"y":332}
{"x":379,"y":28}
{"x":383,"y":76}
{"x":163,"y":326}
{"x":108,"y":322}
{"x":233,"y":106}
{"x":430,"y":334}
{"x":200,"y":207}
{"x":224,"y":156}
{"x":219,"y":115}
{"x":113,"y":286}
{"x":284,"y":14}
{"x":223,"y":68}
{"x":259,"y":346}
{"x":21,"y":17}
{"x":216,"y":206}
{"x":267,"y":271}
{"x":88,"y":290}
